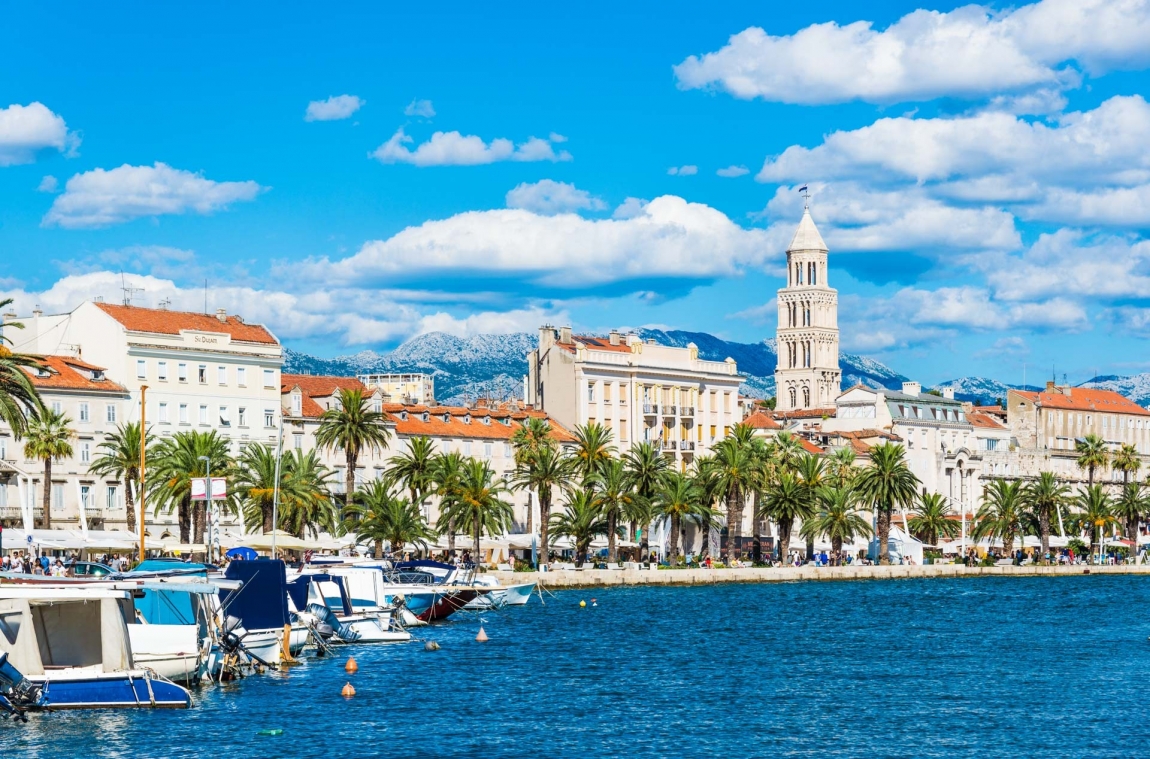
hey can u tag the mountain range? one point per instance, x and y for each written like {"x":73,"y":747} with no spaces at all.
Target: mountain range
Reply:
{"x":494,"y":365}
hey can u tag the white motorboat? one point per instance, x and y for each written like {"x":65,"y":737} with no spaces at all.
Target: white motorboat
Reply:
{"x":500,"y":596}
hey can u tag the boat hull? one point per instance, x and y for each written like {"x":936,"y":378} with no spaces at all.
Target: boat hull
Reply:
{"x":448,"y":603}
{"x":116,"y":690}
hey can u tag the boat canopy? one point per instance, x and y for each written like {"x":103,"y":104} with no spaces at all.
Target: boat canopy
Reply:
{"x":261,"y":604}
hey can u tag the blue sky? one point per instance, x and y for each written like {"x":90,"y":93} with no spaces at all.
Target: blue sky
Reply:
{"x":358,"y":177}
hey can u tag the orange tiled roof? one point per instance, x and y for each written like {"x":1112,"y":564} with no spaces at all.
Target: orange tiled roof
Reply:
{"x":1085,"y":399}
{"x":810,"y":447}
{"x":760,"y":421}
{"x":67,"y":373}
{"x":999,"y":410}
{"x":598,"y":343}
{"x":984,"y":420}
{"x":316,"y":386}
{"x":409,"y":421}
{"x":803,"y":413}
{"x":161,"y":322}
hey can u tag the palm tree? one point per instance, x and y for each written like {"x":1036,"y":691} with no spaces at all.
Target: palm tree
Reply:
{"x":544,"y":471}
{"x":1095,"y":513}
{"x":581,"y":520}
{"x":842,"y":467}
{"x":382,"y":515}
{"x":176,"y":461}
{"x":414,"y":467}
{"x":1001,"y":512}
{"x":884,"y":484}
{"x":676,"y":499}
{"x":478,"y":501}
{"x":305,"y":495}
{"x":812,"y":474}
{"x":528,"y":438}
{"x":1092,"y":455}
{"x":253,"y":484}
{"x":732,"y":468}
{"x":1042,"y":499}
{"x":617,"y":497}
{"x":931,"y":519}
{"x":763,"y":473}
{"x":1127,"y":461}
{"x":1132,"y":504}
{"x":352,"y":427}
{"x":592,"y":448}
{"x":446,"y":474}
{"x":19,"y":400}
{"x":49,"y":437}
{"x":119,"y":457}
{"x":786,"y":500}
{"x":837,"y":516}
{"x":647,"y":467}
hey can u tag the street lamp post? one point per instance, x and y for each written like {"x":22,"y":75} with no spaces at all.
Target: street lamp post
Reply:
{"x":209,"y":507}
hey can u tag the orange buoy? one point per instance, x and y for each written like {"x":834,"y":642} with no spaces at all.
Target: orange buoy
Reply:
{"x":351,"y":667}
{"x":347,"y":691}
{"x":482,"y":636}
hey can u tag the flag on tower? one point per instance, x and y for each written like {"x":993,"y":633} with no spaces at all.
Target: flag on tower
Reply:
{"x":803,"y":188}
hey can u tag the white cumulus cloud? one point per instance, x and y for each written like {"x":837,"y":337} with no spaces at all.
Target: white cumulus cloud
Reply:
{"x":970,"y":52}
{"x":334,"y":108}
{"x":549,"y":197}
{"x":102,"y":197}
{"x":48,"y":184}
{"x":683,"y":171}
{"x":455,"y":149}
{"x":25,"y":130}
{"x":733,"y":171}
{"x":421,"y":108}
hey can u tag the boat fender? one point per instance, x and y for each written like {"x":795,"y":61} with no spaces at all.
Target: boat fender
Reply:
{"x":431,"y":645}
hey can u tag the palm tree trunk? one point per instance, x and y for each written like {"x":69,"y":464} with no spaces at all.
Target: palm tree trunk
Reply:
{"x":378,"y":548}
{"x":530,"y":509}
{"x":612,"y":525}
{"x":47,"y":493}
{"x":810,"y":547}
{"x":1044,"y":531}
{"x":757,"y":527}
{"x":674,"y":539}
{"x":476,"y":556}
{"x":199,"y":512}
{"x":184,"y":517}
{"x":734,"y":518}
{"x":266,"y":512}
{"x":785,"y":526}
{"x":544,"y":517}
{"x":883,"y":535}
{"x":450,"y":536}
{"x":349,"y":480}
{"x":130,"y":501}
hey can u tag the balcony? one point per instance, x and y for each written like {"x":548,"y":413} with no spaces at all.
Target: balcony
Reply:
{"x":687,"y":411}
{"x":13,"y":512}
{"x":686,"y":445}
{"x":669,"y":445}
{"x":669,"y":410}
{"x":650,"y":409}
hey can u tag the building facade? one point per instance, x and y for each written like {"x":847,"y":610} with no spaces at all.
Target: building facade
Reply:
{"x":402,"y":388}
{"x":807,"y":337}
{"x":639,"y":390}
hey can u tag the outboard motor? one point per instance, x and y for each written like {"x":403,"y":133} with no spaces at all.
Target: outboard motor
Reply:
{"x":17,"y":694}
{"x":324,"y":615}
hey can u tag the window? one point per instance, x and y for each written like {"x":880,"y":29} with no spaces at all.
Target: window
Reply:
{"x":222,"y":375}
{"x":183,"y":413}
{"x":56,"y":407}
{"x":86,"y":496}
{"x":112,"y":499}
{"x":487,"y":450}
{"x":163,"y":415}
{"x":202,"y":374}
{"x":203,"y":413}
{"x":269,"y":417}
{"x":241,"y":376}
{"x":110,"y":413}
{"x":269,"y":378}
{"x":297,"y":405}
{"x":225,"y":418}
{"x":242,"y":416}
{"x":57,"y":496}
{"x":84,"y":417}
{"x":591,"y":391}
{"x":3,"y":447}
{"x":182,"y":372}
{"x":507,"y":450}
{"x":162,"y":370}
{"x":141,"y":368}
{"x":85,"y":451}
{"x":297,"y":443}
{"x":467,"y":448}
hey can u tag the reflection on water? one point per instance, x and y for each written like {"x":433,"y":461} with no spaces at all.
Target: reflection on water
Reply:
{"x":976,"y":667}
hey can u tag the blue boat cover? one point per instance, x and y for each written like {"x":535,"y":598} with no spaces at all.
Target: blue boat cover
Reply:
{"x":298,"y":589}
{"x":261,"y":604}
{"x":170,"y":565}
{"x":242,"y":552}
{"x":416,"y":563}
{"x":166,"y":607}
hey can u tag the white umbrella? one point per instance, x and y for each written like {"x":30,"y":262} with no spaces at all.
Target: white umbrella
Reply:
{"x":263,"y":542}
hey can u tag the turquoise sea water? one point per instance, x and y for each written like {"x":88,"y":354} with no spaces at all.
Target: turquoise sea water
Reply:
{"x":933,"y":668}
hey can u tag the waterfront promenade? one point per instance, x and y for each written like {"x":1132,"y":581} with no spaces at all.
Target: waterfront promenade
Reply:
{"x":589,"y":578}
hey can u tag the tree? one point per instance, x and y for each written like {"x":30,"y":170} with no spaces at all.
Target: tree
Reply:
{"x":676,"y":499}
{"x":119,"y":457}
{"x":49,"y":437}
{"x":380,"y":514}
{"x":592,"y":448}
{"x":1127,"y":461}
{"x":732,"y":468}
{"x":1132,"y":504}
{"x":446,"y":475}
{"x":478,"y":501}
{"x":172,"y":466}
{"x":884,"y":484}
{"x":931,"y":520}
{"x":414,"y":467}
{"x":1041,"y":500}
{"x":1000,"y":515}
{"x":545,"y":471}
{"x":812,"y":474}
{"x":1092,"y":455}
{"x":353,"y":427}
{"x":581,"y":520}
{"x":306,"y":502}
{"x":1095,"y":513}
{"x":764,"y":469}
{"x":842,"y":467}
{"x":253,"y":484}
{"x":19,"y":401}
{"x":617,"y":498}
{"x":837,"y":516}
{"x":528,"y":438}
{"x":646,"y":466}
{"x":786,"y":501}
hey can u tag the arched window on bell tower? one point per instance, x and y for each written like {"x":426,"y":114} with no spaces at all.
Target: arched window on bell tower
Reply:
{"x":794,"y":401}
{"x":806,"y":396}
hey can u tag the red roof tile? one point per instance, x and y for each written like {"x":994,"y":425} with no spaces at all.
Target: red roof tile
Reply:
{"x":161,"y":322}
{"x":67,"y":373}
{"x":316,"y":386}
{"x":456,"y":426}
{"x":761,"y":421}
{"x":984,"y":420}
{"x":597,"y":343}
{"x":1085,"y":399}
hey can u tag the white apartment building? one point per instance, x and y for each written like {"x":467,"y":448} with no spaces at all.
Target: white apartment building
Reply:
{"x":402,"y":388}
{"x":639,"y":390}
{"x":94,"y":405}
{"x":202,"y":372}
